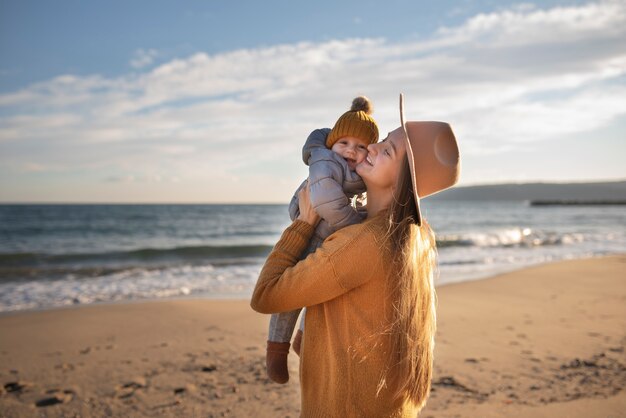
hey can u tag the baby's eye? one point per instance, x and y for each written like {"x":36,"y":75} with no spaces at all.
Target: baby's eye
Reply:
{"x":362,"y":147}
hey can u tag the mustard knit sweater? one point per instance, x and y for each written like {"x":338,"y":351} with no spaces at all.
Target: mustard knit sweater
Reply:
{"x":343,"y":287}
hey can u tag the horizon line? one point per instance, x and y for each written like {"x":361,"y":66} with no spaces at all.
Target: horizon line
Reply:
{"x":53,"y":202}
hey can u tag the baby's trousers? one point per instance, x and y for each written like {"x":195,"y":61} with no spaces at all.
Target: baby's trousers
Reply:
{"x":282,"y":324}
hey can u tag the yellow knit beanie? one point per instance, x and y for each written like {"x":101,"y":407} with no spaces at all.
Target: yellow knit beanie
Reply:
{"x":356,"y":122}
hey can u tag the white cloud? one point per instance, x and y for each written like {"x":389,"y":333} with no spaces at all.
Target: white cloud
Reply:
{"x":503,"y":79}
{"x":525,"y":24}
{"x":143,"y":58}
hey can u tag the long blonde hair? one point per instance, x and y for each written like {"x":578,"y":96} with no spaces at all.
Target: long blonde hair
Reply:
{"x":411,"y":283}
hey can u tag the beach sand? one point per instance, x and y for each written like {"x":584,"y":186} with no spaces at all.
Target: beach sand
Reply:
{"x":546,"y":341}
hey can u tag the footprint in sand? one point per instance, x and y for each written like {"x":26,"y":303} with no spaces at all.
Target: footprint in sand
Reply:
{"x":213,"y":339}
{"x":188,"y":388}
{"x":128,"y":389}
{"x":58,"y":396}
{"x":209,"y":368}
{"x":17,"y":387}
{"x":65,"y":367}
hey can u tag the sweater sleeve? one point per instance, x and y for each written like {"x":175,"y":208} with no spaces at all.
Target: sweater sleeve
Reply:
{"x":343,"y":262}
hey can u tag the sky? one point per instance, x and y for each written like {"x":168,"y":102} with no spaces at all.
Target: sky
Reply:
{"x":211,"y":101}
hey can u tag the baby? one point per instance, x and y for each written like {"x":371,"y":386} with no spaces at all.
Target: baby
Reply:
{"x":332,"y":157}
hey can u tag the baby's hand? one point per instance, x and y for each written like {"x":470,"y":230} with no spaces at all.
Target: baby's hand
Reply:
{"x":307,"y":213}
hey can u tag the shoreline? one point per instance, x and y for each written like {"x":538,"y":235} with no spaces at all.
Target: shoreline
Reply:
{"x":544,"y":341}
{"x":224,"y":297}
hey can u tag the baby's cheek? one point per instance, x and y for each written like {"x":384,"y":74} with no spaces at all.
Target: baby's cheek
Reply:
{"x":360,"y":156}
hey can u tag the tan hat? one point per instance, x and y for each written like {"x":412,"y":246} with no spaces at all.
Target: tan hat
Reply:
{"x":433,"y":157}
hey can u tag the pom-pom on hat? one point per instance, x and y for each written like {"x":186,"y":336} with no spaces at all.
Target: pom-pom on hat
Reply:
{"x":356,"y":122}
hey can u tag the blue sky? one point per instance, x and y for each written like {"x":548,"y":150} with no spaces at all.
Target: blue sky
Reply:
{"x":155,"y":101}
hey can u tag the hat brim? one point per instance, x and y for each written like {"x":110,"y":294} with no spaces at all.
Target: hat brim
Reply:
{"x":409,"y":154}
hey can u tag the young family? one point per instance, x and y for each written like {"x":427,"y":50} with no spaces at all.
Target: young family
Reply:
{"x":365,"y":273}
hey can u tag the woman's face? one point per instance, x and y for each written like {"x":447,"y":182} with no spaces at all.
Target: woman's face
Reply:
{"x":381,"y":168}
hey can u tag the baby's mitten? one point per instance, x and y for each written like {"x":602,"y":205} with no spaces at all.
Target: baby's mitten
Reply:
{"x":276,"y":361}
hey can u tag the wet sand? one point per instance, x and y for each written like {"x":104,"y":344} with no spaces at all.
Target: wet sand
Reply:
{"x":546,"y":341}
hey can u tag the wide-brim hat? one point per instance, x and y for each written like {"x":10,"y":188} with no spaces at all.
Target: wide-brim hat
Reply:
{"x":433,"y":156}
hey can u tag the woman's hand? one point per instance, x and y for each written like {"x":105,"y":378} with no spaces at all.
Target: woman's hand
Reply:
{"x":307,"y":213}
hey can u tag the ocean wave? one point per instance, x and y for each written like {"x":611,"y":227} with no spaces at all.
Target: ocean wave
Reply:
{"x":511,"y":237}
{"x":142,"y":256}
{"x":130,"y":284}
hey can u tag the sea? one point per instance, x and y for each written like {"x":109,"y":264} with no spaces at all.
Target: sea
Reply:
{"x":65,"y":255}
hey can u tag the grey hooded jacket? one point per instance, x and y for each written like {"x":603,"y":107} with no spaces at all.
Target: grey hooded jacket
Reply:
{"x":333,"y":185}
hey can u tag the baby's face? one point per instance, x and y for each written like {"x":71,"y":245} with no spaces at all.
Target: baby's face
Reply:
{"x":353,"y":150}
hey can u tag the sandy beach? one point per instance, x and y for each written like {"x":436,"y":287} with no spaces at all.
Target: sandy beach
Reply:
{"x":546,"y":341}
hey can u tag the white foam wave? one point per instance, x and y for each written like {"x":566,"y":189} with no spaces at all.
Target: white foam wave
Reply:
{"x":130,"y":284}
{"x":509,"y":237}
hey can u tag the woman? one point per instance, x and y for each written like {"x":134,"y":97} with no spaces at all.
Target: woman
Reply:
{"x":369,"y":292}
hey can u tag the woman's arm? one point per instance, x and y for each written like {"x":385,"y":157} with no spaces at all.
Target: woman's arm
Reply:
{"x":339,"y":265}
{"x":336,"y":267}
